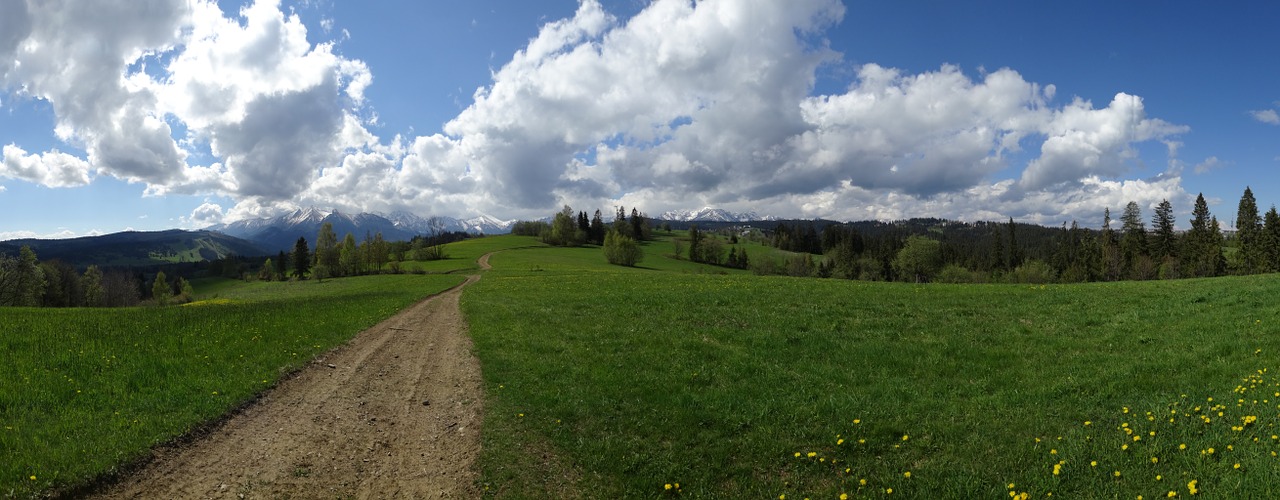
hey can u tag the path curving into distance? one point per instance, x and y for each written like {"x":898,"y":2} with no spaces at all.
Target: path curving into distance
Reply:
{"x":394,"y":413}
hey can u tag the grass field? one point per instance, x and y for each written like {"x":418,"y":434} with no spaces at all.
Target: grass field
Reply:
{"x":83,"y":391}
{"x":611,"y":382}
{"x":676,"y":379}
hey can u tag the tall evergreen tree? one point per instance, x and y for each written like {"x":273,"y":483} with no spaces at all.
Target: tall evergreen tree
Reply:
{"x":1110,"y":260}
{"x":301,"y":258}
{"x":1250,"y":255}
{"x":596,"y":230}
{"x":1133,"y":240}
{"x":282,"y":265}
{"x":1201,"y":250}
{"x":1271,"y":239}
{"x":1015,"y":253}
{"x":1166,"y":240}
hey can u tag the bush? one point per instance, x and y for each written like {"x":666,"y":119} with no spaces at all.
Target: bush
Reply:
{"x":621,"y":250}
{"x":1034,"y":272}
{"x":955,"y":273}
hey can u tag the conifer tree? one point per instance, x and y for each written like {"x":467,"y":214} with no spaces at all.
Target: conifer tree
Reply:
{"x":1166,"y":242}
{"x":1271,"y":239}
{"x":1250,"y":255}
{"x":301,"y":258}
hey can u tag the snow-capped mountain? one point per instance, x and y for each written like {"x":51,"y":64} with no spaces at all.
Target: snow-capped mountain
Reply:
{"x":280,"y":233}
{"x":709,"y":214}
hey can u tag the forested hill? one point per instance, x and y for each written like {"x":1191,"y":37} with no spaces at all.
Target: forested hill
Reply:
{"x":136,"y":248}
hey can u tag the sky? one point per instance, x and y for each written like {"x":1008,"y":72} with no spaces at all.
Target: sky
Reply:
{"x":158,"y":114}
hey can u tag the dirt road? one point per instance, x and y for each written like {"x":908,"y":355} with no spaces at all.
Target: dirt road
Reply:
{"x":395,"y":413}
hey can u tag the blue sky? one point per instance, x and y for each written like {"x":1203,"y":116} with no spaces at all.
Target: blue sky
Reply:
{"x":187,"y":114}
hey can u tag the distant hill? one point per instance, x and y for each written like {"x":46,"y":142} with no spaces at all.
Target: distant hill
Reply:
{"x":280,"y":233}
{"x":138,"y":248}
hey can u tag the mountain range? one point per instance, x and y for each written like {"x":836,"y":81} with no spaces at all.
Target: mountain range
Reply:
{"x":709,"y":214}
{"x":280,"y":233}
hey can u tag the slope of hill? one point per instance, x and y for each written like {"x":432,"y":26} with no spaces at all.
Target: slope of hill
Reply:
{"x":138,"y":248}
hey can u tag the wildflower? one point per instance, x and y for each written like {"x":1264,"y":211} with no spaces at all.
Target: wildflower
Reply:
{"x":1088,"y":423}
{"x":1057,"y":469}
{"x":888,"y":491}
{"x":797,"y":454}
{"x":862,"y":482}
{"x":1011,"y":486}
{"x":1093,"y":463}
{"x":905,"y":437}
{"x":1155,"y":460}
{"x":1159,"y":477}
{"x":1053,"y":451}
{"x":813,"y":454}
{"x":1116,"y":473}
{"x":1236,"y":466}
{"x":1182,"y":446}
{"x":1191,"y":487}
{"x":33,"y":478}
{"x":907,"y":474}
{"x":1124,"y":447}
{"x":1172,"y":494}
{"x":844,"y":496}
{"x":839,"y":442}
{"x":857,"y":421}
{"x":666,"y":486}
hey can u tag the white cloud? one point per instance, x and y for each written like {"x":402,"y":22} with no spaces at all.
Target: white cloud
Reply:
{"x":207,"y":214}
{"x":51,"y":168}
{"x":1268,"y":116}
{"x":1209,"y":164}
{"x":685,"y":104}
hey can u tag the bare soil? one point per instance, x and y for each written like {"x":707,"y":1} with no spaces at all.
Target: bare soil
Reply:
{"x":394,"y":413}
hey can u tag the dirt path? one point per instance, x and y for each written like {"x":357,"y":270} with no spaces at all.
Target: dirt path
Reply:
{"x":395,"y":413}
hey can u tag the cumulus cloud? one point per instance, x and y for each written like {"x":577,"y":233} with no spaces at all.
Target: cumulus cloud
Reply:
{"x":682,"y":105}
{"x":121,"y":74}
{"x":207,"y":214}
{"x":51,"y":168}
{"x":1268,"y":116}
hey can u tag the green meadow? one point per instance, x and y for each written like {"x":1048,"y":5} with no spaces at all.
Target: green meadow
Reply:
{"x":678,"y":380}
{"x":85,"y":391}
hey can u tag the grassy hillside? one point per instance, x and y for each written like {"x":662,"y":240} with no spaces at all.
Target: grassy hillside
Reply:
{"x":611,"y":382}
{"x":135,"y":248}
{"x":85,"y":390}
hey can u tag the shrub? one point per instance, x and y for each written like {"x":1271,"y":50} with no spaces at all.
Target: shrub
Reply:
{"x":621,"y":250}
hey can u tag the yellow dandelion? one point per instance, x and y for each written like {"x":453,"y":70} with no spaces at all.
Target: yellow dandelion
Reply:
{"x":907,"y":474}
{"x":813,"y":454}
{"x":666,"y":486}
{"x":844,"y":496}
{"x":1172,"y":494}
{"x":905,"y":437}
{"x":839,"y":442}
{"x":857,"y":421}
{"x":1093,"y":463}
{"x":33,"y":478}
{"x":862,"y":482}
{"x":1236,"y":466}
{"x":888,"y":491}
{"x":1116,"y":473}
{"x":1182,"y":446}
{"x":1155,"y":460}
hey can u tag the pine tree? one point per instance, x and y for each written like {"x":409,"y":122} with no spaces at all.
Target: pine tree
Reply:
{"x":1015,"y":253}
{"x":1271,"y":239}
{"x":1110,"y":259}
{"x":1133,"y":241}
{"x":301,"y":259}
{"x":596,"y":230}
{"x":1250,"y":255}
{"x":1201,"y":250}
{"x":282,"y":265}
{"x":1166,"y":240}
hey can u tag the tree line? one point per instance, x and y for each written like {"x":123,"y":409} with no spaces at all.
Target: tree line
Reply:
{"x":1124,"y":249}
{"x":27,"y":282}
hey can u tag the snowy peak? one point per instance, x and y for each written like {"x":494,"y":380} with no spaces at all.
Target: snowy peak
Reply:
{"x":281,"y":232}
{"x":709,"y":214}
